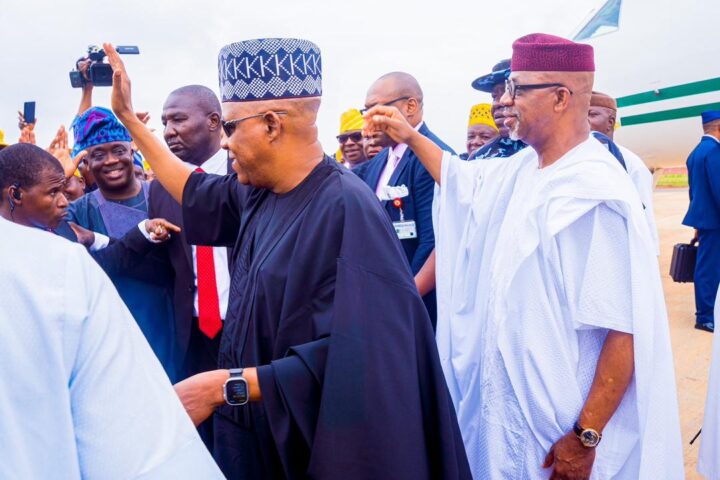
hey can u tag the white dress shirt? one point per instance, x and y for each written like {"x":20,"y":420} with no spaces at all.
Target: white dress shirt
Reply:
{"x":394,"y":156}
{"x":217,"y":164}
{"x":81,"y":393}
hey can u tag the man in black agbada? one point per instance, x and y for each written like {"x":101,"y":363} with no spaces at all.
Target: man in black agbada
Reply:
{"x":324,"y":317}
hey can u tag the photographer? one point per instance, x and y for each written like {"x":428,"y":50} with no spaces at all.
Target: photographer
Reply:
{"x":85,"y":103}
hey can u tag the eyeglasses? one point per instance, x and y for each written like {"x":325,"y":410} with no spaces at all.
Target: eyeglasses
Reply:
{"x":230,"y":126}
{"x":355,"y":137}
{"x":511,"y":88}
{"x":363,"y":111}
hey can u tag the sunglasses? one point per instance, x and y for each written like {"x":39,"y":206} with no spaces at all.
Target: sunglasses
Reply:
{"x":355,"y":137}
{"x":230,"y":126}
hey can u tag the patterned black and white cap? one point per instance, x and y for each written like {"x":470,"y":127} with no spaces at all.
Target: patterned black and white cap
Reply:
{"x":268,"y":69}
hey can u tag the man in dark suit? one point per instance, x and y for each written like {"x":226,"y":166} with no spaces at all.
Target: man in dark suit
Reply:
{"x":191,"y":117}
{"x":703,"y":166}
{"x":399,"y":179}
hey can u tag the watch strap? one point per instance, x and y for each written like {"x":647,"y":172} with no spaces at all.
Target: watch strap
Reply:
{"x":235,"y":372}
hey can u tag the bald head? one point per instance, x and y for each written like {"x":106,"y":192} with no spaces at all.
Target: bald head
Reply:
{"x":191,"y":117}
{"x":399,"y":84}
{"x":400,"y":90}
{"x":198,"y":95}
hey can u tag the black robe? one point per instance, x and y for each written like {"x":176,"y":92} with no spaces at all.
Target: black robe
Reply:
{"x":322,"y":300}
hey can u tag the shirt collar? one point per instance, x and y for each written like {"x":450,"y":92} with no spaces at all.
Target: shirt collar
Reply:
{"x":711,"y":137}
{"x":399,"y":150}
{"x":216,"y":164}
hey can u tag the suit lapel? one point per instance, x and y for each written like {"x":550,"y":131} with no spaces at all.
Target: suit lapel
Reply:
{"x":402,"y":165}
{"x":405,"y":160}
{"x":375,"y":169}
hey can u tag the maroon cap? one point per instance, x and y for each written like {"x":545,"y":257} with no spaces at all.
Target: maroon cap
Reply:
{"x":539,"y":52}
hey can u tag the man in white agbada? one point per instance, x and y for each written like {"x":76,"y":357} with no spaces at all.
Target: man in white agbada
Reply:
{"x":81,"y":393}
{"x":709,"y":459}
{"x":551,"y":313}
{"x":603,"y":118}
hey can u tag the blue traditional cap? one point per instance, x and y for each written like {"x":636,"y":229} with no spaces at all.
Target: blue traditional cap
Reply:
{"x":500,"y":72}
{"x":710,"y":116}
{"x":269,"y":69}
{"x":96,"y":126}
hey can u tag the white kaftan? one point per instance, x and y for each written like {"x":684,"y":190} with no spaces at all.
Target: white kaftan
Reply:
{"x":709,"y":459}
{"x":534,"y":266}
{"x":643,"y":180}
{"x":81,"y":393}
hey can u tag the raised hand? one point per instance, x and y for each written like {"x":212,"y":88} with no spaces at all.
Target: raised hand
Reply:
{"x":27,"y":134}
{"x":59,"y":145}
{"x":390,"y":121}
{"x":159,"y":229}
{"x":121,"y":98}
{"x":59,"y":149}
{"x":83,"y":66}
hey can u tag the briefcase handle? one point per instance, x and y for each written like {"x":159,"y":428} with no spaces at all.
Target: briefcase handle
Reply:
{"x":694,"y":241}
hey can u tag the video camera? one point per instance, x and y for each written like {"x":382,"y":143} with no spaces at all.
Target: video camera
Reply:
{"x":100,"y":73}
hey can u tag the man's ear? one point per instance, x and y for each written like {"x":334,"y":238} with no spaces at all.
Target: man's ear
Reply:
{"x":413,"y":106}
{"x":14,"y":195}
{"x":273,"y":125}
{"x":214,"y":121}
{"x":611,"y":123}
{"x":563,"y":99}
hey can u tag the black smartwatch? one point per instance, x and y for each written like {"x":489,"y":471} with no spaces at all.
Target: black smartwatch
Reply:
{"x":587,"y":436}
{"x":235,"y":388}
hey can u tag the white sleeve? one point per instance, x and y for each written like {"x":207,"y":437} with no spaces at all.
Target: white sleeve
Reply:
{"x":143,"y":230}
{"x":642,"y":178}
{"x":595,"y":261}
{"x":101,"y":241}
{"x":460,"y":177}
{"x":127,"y":418}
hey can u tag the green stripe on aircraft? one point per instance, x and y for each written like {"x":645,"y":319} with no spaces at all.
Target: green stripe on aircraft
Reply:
{"x":694,"y":88}
{"x":663,"y":115}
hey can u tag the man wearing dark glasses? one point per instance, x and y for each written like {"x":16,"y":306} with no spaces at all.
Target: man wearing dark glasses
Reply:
{"x":553,"y":329}
{"x":327,"y":365}
{"x":494,"y":84}
{"x":350,"y":139}
{"x":399,"y":180}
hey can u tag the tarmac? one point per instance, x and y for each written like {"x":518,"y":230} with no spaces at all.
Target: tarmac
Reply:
{"x":691,"y":348}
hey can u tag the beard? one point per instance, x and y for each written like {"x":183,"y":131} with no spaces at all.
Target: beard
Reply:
{"x":515,"y":129}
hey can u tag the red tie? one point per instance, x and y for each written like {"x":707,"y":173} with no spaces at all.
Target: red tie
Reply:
{"x":209,"y":320}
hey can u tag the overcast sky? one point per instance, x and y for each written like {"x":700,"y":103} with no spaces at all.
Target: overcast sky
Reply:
{"x":444,"y":44}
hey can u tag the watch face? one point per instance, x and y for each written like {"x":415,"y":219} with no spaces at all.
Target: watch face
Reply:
{"x":590,"y":438}
{"x":236,"y":391}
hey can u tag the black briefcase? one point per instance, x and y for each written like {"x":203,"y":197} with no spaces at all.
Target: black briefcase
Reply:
{"x":682,"y":266}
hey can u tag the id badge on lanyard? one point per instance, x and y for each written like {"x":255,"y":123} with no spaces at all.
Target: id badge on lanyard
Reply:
{"x":405,"y":230}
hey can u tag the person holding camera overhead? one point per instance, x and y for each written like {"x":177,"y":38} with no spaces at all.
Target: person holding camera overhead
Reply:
{"x":120,"y":204}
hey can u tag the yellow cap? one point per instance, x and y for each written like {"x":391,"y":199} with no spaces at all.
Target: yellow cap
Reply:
{"x":351,"y":120}
{"x":2,"y":139}
{"x":481,"y":114}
